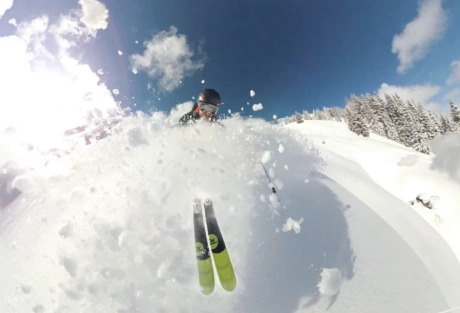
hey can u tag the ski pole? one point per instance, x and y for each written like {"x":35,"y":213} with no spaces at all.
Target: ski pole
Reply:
{"x":270,"y":181}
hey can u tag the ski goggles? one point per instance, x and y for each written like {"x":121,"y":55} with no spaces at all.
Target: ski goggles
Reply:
{"x":207,"y":107}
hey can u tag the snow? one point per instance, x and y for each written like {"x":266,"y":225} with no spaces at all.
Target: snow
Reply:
{"x":292,"y":224}
{"x":203,"y":81}
{"x":266,"y":157}
{"x":252,"y":93}
{"x":257,"y":107}
{"x":120,"y":52}
{"x":331,"y":281}
{"x":95,"y":14}
{"x":100,"y":71}
{"x":107,"y":227}
{"x":116,"y":91}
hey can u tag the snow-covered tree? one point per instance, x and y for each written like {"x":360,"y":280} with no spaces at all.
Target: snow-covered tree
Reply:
{"x":298,"y":118}
{"x":455,"y":116}
{"x":306,"y":116}
{"x":355,"y":115}
{"x":401,"y":118}
{"x":384,"y":118}
{"x":419,"y":144}
{"x":327,"y":114}
{"x":445,"y":125}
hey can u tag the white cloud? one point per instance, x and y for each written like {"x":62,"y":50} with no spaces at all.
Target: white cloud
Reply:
{"x":5,"y":5}
{"x":257,"y":107}
{"x":418,"y":93}
{"x":95,"y":14}
{"x":417,"y":37}
{"x":252,"y":93}
{"x":171,"y":66}
{"x":455,"y":76}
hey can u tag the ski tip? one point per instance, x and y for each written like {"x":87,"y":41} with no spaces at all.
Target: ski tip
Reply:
{"x":207,"y":201}
{"x":196,"y":200}
{"x":207,"y":290}
{"x":230,"y":285}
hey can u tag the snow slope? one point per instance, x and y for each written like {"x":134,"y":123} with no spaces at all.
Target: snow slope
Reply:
{"x":107,"y":228}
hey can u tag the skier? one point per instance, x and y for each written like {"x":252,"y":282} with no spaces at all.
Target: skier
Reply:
{"x":206,"y":107}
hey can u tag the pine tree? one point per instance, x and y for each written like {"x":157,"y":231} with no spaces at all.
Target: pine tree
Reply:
{"x":436,"y":121}
{"x":298,"y":118}
{"x":375,"y":123}
{"x":388,"y":125}
{"x":455,"y":116}
{"x":419,"y":144}
{"x":445,"y":125}
{"x":356,"y":113}
{"x":306,"y":116}
{"x":400,"y":119}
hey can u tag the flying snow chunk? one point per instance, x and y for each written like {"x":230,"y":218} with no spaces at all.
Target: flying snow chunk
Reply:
{"x":229,"y":111}
{"x":292,"y":224}
{"x":247,"y":103}
{"x":331,"y":281}
{"x":120,"y":52}
{"x":134,"y":71}
{"x":242,"y":109}
{"x":281,"y":148}
{"x":180,"y":82}
{"x":24,"y":183}
{"x":116,"y":91}
{"x":203,"y":81}
{"x":275,"y":117}
{"x":257,"y":107}
{"x":100,"y":71}
{"x":95,"y":14}
{"x":252,"y":93}
{"x":267,"y":156}
{"x":137,"y":41}
{"x":13,"y":22}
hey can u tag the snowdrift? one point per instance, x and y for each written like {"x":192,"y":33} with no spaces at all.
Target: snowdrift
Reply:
{"x":108,"y":228}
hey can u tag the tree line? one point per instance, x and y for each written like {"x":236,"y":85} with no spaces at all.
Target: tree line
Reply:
{"x":403,"y":121}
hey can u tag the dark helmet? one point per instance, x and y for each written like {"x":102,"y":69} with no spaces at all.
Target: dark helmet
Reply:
{"x":209,"y":96}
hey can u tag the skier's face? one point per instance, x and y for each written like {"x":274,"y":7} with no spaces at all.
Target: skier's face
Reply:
{"x":206,"y":115}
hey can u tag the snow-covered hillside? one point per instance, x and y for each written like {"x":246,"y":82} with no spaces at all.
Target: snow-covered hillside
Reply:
{"x":108,"y":227}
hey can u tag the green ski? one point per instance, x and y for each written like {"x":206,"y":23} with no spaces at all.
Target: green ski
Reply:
{"x":213,"y":242}
{"x":203,"y":257}
{"x":220,"y":255}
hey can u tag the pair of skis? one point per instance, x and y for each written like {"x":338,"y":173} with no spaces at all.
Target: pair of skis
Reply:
{"x":208,"y":238}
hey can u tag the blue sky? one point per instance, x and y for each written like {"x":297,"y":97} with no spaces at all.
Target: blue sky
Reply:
{"x":295,"y":55}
